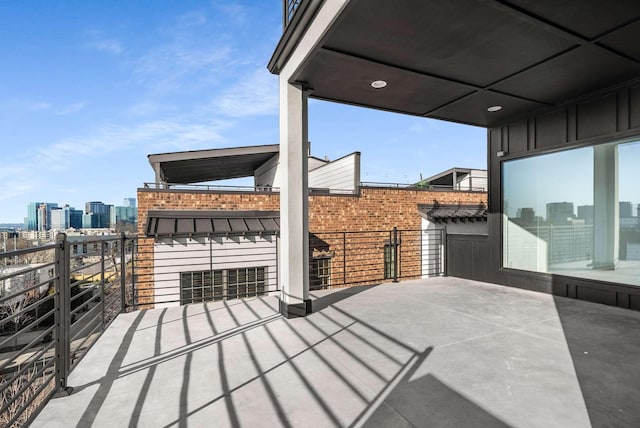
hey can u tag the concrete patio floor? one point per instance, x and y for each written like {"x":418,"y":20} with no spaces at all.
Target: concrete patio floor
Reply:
{"x":436,"y":352}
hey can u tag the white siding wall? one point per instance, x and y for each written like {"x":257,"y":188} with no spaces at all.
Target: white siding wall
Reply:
{"x":316,"y":163}
{"x":432,"y":248}
{"x":320,"y":173}
{"x":476,"y":180}
{"x":173,"y":256}
{"x":268,"y":174}
{"x":341,"y":174}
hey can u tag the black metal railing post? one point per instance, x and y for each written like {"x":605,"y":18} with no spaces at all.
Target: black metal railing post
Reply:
{"x":102,"y":296}
{"x":443,"y":256}
{"x":134,"y":248}
{"x":123,"y":272}
{"x":344,"y":258}
{"x":62,"y":314}
{"x":395,"y":253}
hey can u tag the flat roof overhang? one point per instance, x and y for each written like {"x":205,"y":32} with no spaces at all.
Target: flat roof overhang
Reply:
{"x":452,"y":60}
{"x":200,"y":166}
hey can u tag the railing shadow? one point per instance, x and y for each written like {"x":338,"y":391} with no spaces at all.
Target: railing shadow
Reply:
{"x":324,"y":300}
{"x":333,"y":367}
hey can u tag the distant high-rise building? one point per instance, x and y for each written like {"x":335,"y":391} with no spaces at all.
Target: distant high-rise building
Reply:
{"x":526,"y":216}
{"x":43,"y":216}
{"x":32,"y":223}
{"x":112,"y":216}
{"x":60,"y":218}
{"x":626,"y":209}
{"x":92,"y":221}
{"x":75,"y":218}
{"x":585,"y":212}
{"x":129,"y":203}
{"x":102,"y":213}
{"x":560,"y":212}
{"x":126,"y":215}
{"x":65,"y":218}
{"x":44,"y":220}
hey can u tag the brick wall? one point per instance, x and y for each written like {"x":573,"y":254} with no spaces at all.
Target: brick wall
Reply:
{"x":375,"y":209}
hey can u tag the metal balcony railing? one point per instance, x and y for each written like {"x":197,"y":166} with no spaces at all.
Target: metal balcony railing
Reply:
{"x":56,"y":300}
{"x":312,"y":190}
{"x":185,"y":269}
{"x":418,"y":186}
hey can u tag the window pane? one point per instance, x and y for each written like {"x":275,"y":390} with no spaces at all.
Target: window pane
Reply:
{"x":195,"y":287}
{"x":574,"y":213}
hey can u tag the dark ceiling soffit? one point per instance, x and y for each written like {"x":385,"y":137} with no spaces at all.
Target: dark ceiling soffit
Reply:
{"x":211,"y":153}
{"x":448,"y":172}
{"x":214,"y":164}
{"x":525,"y":16}
{"x":558,"y":30}
{"x":433,"y":112}
{"x":292,"y":35}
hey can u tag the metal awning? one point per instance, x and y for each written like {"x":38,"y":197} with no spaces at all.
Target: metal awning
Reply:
{"x":175,"y":223}
{"x":200,"y":166}
{"x":438,"y":213}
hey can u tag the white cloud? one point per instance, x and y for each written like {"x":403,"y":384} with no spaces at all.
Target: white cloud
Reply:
{"x":71,"y":108}
{"x":111,"y":46}
{"x":135,"y":140}
{"x":16,"y":181}
{"x":38,"y":106}
{"x":97,"y":40}
{"x":191,"y":54}
{"x":255,"y":94}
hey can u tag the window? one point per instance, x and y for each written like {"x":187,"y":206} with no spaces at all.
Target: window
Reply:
{"x":574,"y":213}
{"x":389,"y":261}
{"x":320,"y":275}
{"x":195,"y":287}
{"x":246,"y":282}
{"x":205,"y":286}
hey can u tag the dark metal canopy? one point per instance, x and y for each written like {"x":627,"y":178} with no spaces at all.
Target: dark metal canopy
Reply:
{"x":453,"y":59}
{"x":208,"y":165}
{"x":439,"y":213}
{"x":174,"y":223}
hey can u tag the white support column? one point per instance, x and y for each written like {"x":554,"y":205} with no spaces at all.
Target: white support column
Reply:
{"x":606,"y":227}
{"x":294,"y":201}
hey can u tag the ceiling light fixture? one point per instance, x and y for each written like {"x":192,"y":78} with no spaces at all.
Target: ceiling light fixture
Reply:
{"x":378,"y":84}
{"x":494,"y":108}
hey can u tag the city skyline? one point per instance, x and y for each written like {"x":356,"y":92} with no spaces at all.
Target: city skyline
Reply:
{"x":47,"y":213}
{"x":125,"y":80}
{"x":566,"y":177}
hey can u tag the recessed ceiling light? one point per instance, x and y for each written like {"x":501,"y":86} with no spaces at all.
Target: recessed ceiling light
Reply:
{"x":494,"y":108}
{"x":378,"y":84}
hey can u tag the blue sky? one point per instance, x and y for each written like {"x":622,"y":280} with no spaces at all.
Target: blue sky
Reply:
{"x":89,"y":88}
